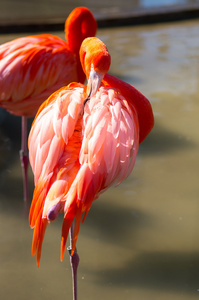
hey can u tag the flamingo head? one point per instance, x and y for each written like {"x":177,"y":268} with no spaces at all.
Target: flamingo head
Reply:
{"x":95,"y":60}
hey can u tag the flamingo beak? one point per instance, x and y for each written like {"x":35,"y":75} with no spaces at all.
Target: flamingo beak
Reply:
{"x":94,"y":82}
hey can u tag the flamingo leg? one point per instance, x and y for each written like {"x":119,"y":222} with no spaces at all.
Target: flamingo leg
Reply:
{"x":24,"y":158}
{"x":74,"y":261}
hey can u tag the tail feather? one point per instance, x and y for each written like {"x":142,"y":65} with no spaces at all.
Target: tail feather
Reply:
{"x":36,"y":234}
{"x":86,"y":211}
{"x":38,"y":206}
{"x":33,"y":204}
{"x":77,"y":227}
{"x":41,"y":237}
{"x":38,"y":200}
{"x":67,"y":223}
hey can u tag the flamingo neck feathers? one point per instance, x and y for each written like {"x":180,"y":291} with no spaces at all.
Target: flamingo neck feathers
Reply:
{"x":79,"y":25}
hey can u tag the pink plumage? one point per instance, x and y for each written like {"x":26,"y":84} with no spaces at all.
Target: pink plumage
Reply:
{"x":82,"y":141}
{"x":31,"y":69}
{"x":98,"y":149}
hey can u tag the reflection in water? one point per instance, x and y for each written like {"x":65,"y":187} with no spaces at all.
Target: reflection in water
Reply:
{"x":140,"y":240}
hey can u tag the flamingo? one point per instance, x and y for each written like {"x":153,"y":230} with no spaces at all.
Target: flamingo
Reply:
{"x":83,"y":140}
{"x":33,"y":67}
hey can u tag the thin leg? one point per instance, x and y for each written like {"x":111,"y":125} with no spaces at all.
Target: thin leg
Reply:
{"x":74,"y":261}
{"x":24,"y":158}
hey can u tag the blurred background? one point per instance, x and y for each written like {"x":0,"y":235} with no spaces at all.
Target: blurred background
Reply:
{"x":139,"y":240}
{"x":21,"y":9}
{"x":16,"y":12}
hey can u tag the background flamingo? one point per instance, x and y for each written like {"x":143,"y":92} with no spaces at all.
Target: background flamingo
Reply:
{"x":33,"y":67}
{"x":82,"y":141}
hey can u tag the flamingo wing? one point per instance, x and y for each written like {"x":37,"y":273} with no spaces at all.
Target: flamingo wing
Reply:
{"x":107,"y":155}
{"x":31,"y":68}
{"x":137,"y":100}
{"x":54,"y":145}
{"x":75,"y":156}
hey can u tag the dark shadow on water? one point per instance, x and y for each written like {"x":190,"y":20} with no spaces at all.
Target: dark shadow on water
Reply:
{"x":10,"y":137}
{"x":169,"y":271}
{"x":115,"y":224}
{"x":105,"y":222}
{"x":12,"y":188}
{"x":11,"y":127}
{"x":161,"y":141}
{"x":5,"y":150}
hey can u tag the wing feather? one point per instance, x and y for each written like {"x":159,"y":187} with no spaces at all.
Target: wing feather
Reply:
{"x":54,"y":158}
{"x":110,"y":130}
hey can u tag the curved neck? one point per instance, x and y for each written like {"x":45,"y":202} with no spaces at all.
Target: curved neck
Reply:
{"x":79,"y":25}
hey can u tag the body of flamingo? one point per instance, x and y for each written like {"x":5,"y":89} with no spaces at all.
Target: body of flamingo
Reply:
{"x":82,"y":141}
{"x":33,"y":67}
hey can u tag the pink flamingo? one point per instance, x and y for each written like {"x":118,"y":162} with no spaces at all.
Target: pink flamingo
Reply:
{"x":33,"y":67}
{"x":82,"y":141}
